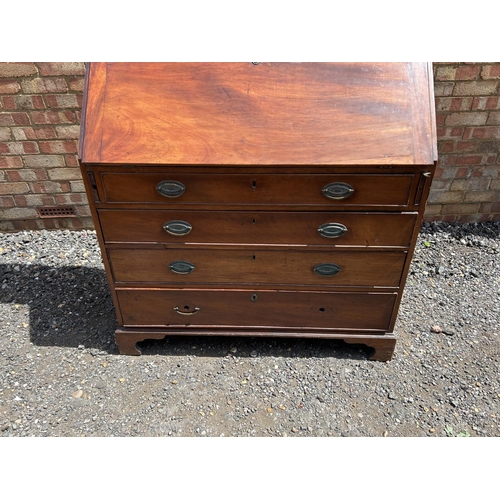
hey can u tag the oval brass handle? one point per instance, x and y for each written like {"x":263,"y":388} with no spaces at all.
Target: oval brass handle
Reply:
{"x":177,"y":227}
{"x":338,"y":190}
{"x":326,"y":269}
{"x":181,"y":267}
{"x":189,"y":313}
{"x":332,"y":229}
{"x":171,"y":189}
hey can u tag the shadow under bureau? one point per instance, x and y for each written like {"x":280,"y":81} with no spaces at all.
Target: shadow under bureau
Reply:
{"x":267,"y":199}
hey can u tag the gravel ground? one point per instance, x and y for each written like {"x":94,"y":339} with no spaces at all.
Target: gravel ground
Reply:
{"x":61,"y":375}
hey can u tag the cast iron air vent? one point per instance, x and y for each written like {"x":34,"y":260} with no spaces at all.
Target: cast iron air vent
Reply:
{"x":56,"y":212}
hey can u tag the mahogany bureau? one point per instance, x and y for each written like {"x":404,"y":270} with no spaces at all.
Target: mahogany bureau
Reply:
{"x":259,"y":199}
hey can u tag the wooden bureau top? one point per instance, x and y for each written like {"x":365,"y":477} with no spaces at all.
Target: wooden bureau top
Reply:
{"x":263,"y":114}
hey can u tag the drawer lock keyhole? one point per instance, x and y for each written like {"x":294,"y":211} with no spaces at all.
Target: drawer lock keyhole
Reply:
{"x":254,"y":297}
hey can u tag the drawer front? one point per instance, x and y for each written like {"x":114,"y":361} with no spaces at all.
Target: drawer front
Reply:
{"x":240,"y":308}
{"x":332,"y":190}
{"x":257,"y":267}
{"x":286,"y":228}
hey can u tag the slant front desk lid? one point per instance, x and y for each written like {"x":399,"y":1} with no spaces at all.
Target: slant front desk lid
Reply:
{"x":259,"y":114}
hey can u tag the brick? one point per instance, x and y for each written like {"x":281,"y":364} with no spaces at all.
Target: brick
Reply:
{"x":72,"y":160}
{"x":486,"y":103}
{"x":26,"y":175}
{"x":453,"y":103}
{"x":62,"y":101}
{"x":9,"y":119}
{"x":466,"y":146}
{"x":467,"y":72}
{"x":458,"y":185}
{"x":495,"y":184}
{"x":64,"y":68}
{"x":77,"y":186}
{"x":19,"y":148}
{"x":488,"y":146}
{"x":33,"y":133}
{"x":44,"y":85}
{"x":440,"y":119}
{"x":443,"y":89}
{"x":50,"y":187}
{"x":482,"y":133}
{"x":445,"y":196}
{"x":446,"y":161}
{"x":469,"y":118}
{"x":77,"y":84}
{"x":66,"y":174}
{"x":11,"y":162}
{"x":55,"y":147}
{"x":9,"y":87}
{"x":449,"y":132}
{"x":481,"y":171}
{"x":13,"y":188}
{"x":33,"y":200}
{"x":7,"y":201}
{"x":443,"y":218}
{"x":491,"y":208}
{"x":14,"y":70}
{"x":490,"y":71}
{"x":475,"y":88}
{"x":445,"y":73}
{"x":446,"y":146}
{"x":47,"y":161}
{"x":477,"y":184}
{"x":431,"y":209}
{"x":441,"y":184}
{"x":83,"y":211}
{"x":467,"y":219}
{"x":68,"y":131}
{"x":23,"y":102}
{"x":494,"y":118}
{"x":460,"y":208}
{"x":53,"y":117}
{"x":469,"y":160}
{"x":482,"y":196}
{"x":5,"y":134}
{"x":70,"y":199}
{"x":18,"y":213}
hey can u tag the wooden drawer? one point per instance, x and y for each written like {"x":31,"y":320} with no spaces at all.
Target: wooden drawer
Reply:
{"x":374,"y":190}
{"x":257,"y":267}
{"x":241,"y":308}
{"x":253,"y":228}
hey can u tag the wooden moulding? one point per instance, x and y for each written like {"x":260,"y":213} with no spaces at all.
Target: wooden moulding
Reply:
{"x":127,"y":339}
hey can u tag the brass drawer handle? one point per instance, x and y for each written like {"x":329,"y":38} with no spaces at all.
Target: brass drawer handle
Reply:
{"x":338,"y":190}
{"x":177,"y":227}
{"x":189,"y":313}
{"x":181,"y":267}
{"x":332,"y":230}
{"x":171,"y":189}
{"x":326,"y":269}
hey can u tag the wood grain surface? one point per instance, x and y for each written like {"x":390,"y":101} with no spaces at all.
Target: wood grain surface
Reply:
{"x":269,"y":114}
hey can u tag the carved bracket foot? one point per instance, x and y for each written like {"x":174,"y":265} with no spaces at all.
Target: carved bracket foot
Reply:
{"x":126,"y":340}
{"x":383,"y":345}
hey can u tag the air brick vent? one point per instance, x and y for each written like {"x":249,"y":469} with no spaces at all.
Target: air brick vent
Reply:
{"x":56,"y":212}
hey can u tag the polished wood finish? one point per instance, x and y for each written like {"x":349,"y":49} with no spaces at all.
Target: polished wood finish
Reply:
{"x":259,"y":308}
{"x":269,"y":114}
{"x":256,"y":266}
{"x":253,"y":156}
{"x":259,"y":189}
{"x":258,"y":228}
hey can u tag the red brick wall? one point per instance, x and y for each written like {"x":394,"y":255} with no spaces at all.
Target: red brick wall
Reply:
{"x":466,"y":187}
{"x":40,"y":107}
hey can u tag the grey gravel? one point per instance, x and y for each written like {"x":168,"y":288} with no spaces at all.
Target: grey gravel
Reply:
{"x":61,"y":374}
